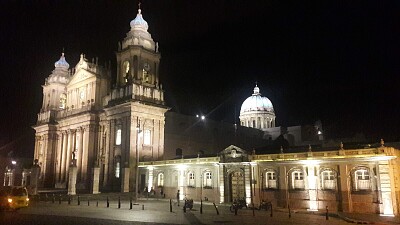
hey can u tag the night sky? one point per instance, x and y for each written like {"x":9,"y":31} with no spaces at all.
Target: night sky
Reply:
{"x":336,"y":61}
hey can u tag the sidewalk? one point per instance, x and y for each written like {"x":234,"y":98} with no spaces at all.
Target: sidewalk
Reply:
{"x":158,"y":211}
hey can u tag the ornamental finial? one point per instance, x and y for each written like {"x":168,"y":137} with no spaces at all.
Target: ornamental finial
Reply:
{"x":382,"y":142}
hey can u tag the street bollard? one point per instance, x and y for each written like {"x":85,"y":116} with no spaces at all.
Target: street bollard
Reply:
{"x":170,"y":205}
{"x":271,"y":210}
{"x":201,"y":206}
{"x":79,"y":201}
{"x":290,"y":215}
{"x":45,"y":199}
{"x":184,"y":208}
{"x":142,"y":207}
{"x":327,"y":216}
{"x":216,"y":208}
{"x":119,"y":202}
{"x":108,"y":203}
{"x":130,"y":203}
{"x":69,"y":200}
{"x":59,"y":200}
{"x":97,"y":203}
{"x":88,"y":204}
{"x":236,"y":209}
{"x":253,"y":209}
{"x":53,"y":199}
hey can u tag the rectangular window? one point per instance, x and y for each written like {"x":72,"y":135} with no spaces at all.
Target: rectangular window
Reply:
{"x":270,"y":180}
{"x":362,"y":180}
{"x":207,"y":182}
{"x":191,"y":180}
{"x":147,"y":137}
{"x":297,"y":180}
{"x":328,"y":180}
{"x":118,"y":137}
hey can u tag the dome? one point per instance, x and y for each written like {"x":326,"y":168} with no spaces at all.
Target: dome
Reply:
{"x":139,"y":22}
{"x":62,"y":63}
{"x":257,"y":103}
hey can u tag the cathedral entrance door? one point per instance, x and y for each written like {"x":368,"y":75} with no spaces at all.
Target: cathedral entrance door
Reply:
{"x":237,"y":185}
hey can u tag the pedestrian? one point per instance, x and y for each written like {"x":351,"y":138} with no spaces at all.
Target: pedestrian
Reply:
{"x":177,"y":196}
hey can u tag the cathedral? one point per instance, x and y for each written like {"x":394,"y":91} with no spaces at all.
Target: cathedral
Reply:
{"x":92,"y":136}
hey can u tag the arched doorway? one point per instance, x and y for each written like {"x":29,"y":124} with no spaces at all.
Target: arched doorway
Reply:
{"x":236,"y":183}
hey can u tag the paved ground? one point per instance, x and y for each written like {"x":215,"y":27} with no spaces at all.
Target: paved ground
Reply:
{"x":158,"y":212}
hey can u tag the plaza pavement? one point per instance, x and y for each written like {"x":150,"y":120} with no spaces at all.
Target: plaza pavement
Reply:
{"x":158,"y":211}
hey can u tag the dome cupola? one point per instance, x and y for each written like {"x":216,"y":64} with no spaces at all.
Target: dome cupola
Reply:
{"x":138,"y":35}
{"x":62,"y":63}
{"x":139,"y":23}
{"x":257,"y":111}
{"x":256,"y":103}
{"x":60,"y":74}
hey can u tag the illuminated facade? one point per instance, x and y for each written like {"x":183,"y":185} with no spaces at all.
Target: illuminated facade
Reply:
{"x":92,"y":135}
{"x":354,"y":180}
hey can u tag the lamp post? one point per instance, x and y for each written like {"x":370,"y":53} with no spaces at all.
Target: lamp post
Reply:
{"x":137,"y":158}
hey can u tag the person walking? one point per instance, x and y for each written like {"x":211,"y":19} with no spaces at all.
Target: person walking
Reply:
{"x":177,"y":196}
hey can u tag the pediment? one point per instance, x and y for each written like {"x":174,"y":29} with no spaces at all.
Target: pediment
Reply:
{"x":80,"y":76}
{"x":234,"y":154}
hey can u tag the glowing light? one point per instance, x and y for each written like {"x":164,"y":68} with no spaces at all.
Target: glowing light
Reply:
{"x":9,"y":200}
{"x":14,"y":162}
{"x":203,"y":117}
{"x":310,"y":162}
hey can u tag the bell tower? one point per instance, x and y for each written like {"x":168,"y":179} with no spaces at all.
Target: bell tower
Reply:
{"x":138,"y":58}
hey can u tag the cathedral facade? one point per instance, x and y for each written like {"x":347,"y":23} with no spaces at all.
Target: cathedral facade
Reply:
{"x":98,"y":130}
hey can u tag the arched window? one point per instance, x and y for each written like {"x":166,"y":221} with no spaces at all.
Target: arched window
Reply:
{"x":63,"y":101}
{"x":160,"y":180}
{"x":191,"y":179}
{"x":297,"y":178}
{"x":207,"y":179}
{"x":328,"y":180}
{"x":270,"y":180}
{"x":361,"y":179}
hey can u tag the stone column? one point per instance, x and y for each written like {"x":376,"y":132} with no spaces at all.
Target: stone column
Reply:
{"x":72,"y":178}
{"x":247,"y":183}
{"x":95,"y":180}
{"x":35,"y":172}
{"x":63,"y":158}
{"x":125,"y":179}
{"x":283,"y":200}
{"x":59,"y":158}
{"x":312,"y":187}
{"x":221,"y":177}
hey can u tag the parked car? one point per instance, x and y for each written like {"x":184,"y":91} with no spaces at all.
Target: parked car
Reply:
{"x":13,"y":198}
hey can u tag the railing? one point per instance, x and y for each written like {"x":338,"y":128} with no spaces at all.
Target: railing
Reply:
{"x":136,"y":91}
